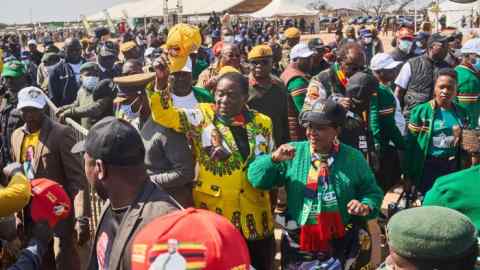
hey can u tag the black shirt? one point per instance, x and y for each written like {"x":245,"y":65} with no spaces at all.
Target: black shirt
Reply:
{"x":273,"y":103}
{"x":107,"y":232}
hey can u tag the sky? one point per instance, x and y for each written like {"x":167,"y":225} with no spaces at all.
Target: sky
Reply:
{"x":18,"y":11}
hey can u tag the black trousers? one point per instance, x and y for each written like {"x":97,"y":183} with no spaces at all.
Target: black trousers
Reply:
{"x":262,"y":253}
{"x":389,"y":173}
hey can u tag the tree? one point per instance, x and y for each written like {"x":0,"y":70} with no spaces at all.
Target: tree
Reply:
{"x":376,"y":7}
{"x":3,"y":26}
{"x":318,"y":5}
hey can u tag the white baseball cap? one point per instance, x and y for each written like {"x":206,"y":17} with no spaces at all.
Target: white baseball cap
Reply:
{"x":383,"y":61}
{"x":32,"y":42}
{"x":31,"y":97}
{"x":471,"y":46}
{"x":301,"y":50}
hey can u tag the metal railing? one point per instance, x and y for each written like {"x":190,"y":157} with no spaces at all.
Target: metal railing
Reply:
{"x":80,"y":134}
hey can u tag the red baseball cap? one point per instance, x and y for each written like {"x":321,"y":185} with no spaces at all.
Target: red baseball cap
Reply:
{"x":190,"y":239}
{"x":49,"y":202}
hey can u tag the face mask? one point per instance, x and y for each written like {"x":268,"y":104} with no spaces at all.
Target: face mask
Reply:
{"x":418,"y":44}
{"x":228,"y":39}
{"x":368,"y":40}
{"x":477,"y":64}
{"x":419,"y":51}
{"x":405,"y":46}
{"x":126,"y":112}
{"x":26,"y":62}
{"x":90,"y":82}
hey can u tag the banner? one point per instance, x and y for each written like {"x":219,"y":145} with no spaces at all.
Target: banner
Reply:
{"x":86,"y":24}
{"x":130,"y":21}
{"x":113,"y":29}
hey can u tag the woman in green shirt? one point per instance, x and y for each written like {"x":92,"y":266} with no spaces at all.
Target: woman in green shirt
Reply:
{"x":434,"y":132}
{"x":330,"y":188}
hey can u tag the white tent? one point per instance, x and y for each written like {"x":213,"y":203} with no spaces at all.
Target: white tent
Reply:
{"x":454,"y":12}
{"x":154,"y":8}
{"x":284,"y":8}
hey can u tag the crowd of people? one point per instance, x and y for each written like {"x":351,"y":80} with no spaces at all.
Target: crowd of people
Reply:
{"x":200,"y":144}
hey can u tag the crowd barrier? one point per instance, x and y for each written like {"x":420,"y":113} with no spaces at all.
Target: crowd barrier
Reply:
{"x":80,"y":133}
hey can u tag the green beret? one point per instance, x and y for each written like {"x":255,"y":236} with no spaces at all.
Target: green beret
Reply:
{"x":49,"y":56}
{"x":431,"y":232}
{"x":13,"y":69}
{"x":89,"y":66}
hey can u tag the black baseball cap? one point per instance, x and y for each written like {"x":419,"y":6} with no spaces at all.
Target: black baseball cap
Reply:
{"x":114,"y":141}
{"x":324,"y":113}
{"x":439,"y":38}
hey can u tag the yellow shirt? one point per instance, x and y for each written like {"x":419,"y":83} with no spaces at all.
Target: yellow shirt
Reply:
{"x":15,"y":196}
{"x":222,"y":184}
{"x":29,"y":144}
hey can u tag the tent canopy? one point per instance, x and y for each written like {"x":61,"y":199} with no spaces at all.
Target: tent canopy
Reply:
{"x":284,"y":8}
{"x":154,"y":8}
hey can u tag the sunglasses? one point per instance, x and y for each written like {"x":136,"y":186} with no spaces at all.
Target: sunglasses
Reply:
{"x":260,"y":62}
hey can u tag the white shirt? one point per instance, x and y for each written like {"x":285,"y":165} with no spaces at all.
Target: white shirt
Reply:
{"x":404,"y":76}
{"x":187,"y":102}
{"x":76,"y":70}
{"x":399,"y":118}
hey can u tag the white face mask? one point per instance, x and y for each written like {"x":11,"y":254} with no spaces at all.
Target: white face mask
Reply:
{"x":405,"y":46}
{"x":90,"y":82}
{"x":228,"y":39}
{"x":368,"y":40}
{"x":125,"y":111}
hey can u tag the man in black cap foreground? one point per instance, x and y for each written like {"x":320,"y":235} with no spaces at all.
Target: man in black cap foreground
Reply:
{"x":415,"y":82}
{"x":168,"y":158}
{"x":94,"y":99}
{"x":64,"y":81}
{"x":114,"y":165}
{"x":431,"y":237}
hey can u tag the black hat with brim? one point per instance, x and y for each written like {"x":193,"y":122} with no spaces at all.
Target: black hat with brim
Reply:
{"x":114,"y":141}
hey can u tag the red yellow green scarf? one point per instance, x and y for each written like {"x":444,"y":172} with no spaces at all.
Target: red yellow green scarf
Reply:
{"x":325,"y":221}
{"x":342,"y":78}
{"x":240,"y":120}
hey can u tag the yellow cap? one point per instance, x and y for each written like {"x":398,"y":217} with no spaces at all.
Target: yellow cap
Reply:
{"x":227,"y":69}
{"x":292,"y":32}
{"x":182,"y":40}
{"x":127,"y":46}
{"x":260,"y":51}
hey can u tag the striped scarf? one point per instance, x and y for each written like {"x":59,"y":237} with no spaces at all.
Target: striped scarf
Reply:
{"x":325,"y":221}
{"x":342,"y":78}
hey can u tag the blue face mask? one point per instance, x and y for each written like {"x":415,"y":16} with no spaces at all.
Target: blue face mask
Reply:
{"x":126,"y":112}
{"x":90,"y":82}
{"x":477,"y":64}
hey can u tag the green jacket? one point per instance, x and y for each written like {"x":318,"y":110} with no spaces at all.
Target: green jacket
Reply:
{"x":419,"y":136}
{"x":382,"y":119}
{"x":202,"y":95}
{"x":458,"y":191}
{"x":469,"y":92}
{"x":350,"y":171}
{"x":297,"y":89}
